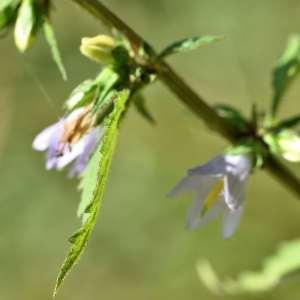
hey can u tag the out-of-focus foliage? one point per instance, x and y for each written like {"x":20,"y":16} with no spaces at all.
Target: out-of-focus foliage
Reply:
{"x":188,"y":44}
{"x":51,"y":39}
{"x":280,"y":267}
{"x":286,"y":70}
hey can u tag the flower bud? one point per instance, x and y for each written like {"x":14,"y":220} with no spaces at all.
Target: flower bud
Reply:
{"x":289,"y":144}
{"x":98,"y":48}
{"x":26,"y":24}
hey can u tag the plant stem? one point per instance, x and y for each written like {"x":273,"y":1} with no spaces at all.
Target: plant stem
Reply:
{"x":185,"y":93}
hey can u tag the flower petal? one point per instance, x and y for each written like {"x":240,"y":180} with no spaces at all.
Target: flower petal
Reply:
{"x":70,"y":154}
{"x":194,"y":221}
{"x":231,"y":220}
{"x":234,"y":190}
{"x":54,"y":146}
{"x":42,"y":140}
{"x":194,"y":211}
{"x":215,"y":167}
{"x":238,"y":165}
{"x":192,"y":182}
{"x":91,"y":140}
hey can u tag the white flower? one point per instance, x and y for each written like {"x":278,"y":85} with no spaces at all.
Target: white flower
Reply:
{"x":219,"y":186}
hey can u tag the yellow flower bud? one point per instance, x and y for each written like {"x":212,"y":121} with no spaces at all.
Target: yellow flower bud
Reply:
{"x":98,"y":48}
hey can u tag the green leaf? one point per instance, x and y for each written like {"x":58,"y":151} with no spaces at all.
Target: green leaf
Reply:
{"x":93,"y":188}
{"x":106,"y":81}
{"x":146,"y":52}
{"x":82,"y":95}
{"x":8,"y":11}
{"x":96,"y":90}
{"x":50,"y":37}
{"x":286,"y":70}
{"x":288,"y":123}
{"x":88,"y":182}
{"x":189,"y":44}
{"x":233,"y":116}
{"x":277,"y":268}
{"x":26,"y":24}
{"x":141,"y":107}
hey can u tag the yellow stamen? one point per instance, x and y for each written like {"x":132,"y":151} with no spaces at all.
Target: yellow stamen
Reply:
{"x":212,"y":196}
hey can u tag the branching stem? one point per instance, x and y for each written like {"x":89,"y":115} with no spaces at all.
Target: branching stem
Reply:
{"x":186,"y":94}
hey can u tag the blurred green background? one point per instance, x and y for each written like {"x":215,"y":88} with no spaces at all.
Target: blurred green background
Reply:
{"x":140,"y":249}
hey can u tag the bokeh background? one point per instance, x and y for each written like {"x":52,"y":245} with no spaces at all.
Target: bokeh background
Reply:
{"x":140,"y":249}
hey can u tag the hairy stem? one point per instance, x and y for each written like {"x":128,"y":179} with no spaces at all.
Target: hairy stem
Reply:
{"x":185,"y":93}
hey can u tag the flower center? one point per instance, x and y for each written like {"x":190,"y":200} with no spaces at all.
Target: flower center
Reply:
{"x":212,"y":196}
{"x":75,"y":129}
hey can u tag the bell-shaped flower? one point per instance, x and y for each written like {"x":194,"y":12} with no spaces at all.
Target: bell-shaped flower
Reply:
{"x":219,"y":188}
{"x":73,"y":138}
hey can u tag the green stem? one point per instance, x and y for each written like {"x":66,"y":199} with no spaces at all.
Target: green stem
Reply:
{"x":185,"y":93}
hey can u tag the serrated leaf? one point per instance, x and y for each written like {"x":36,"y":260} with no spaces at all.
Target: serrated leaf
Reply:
{"x":51,"y":39}
{"x":82,"y":95}
{"x":277,"y":268}
{"x":141,"y":107}
{"x":95,"y":195}
{"x":8,"y":10}
{"x":189,"y":44}
{"x":26,"y":24}
{"x":286,"y":70}
{"x":88,"y":181}
{"x":233,"y":116}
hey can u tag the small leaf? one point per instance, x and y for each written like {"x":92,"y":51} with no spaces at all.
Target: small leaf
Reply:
{"x":277,"y":268}
{"x":50,"y":37}
{"x":82,"y":95}
{"x":233,"y":116}
{"x":106,"y":81}
{"x":189,"y":44}
{"x":140,"y":105}
{"x":286,"y":70}
{"x":26,"y":24}
{"x":8,"y":11}
{"x":94,"y":187}
{"x":288,"y":123}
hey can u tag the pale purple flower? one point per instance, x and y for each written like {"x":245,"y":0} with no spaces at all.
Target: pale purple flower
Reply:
{"x":91,"y":140}
{"x":219,"y":187}
{"x":61,"y":152}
